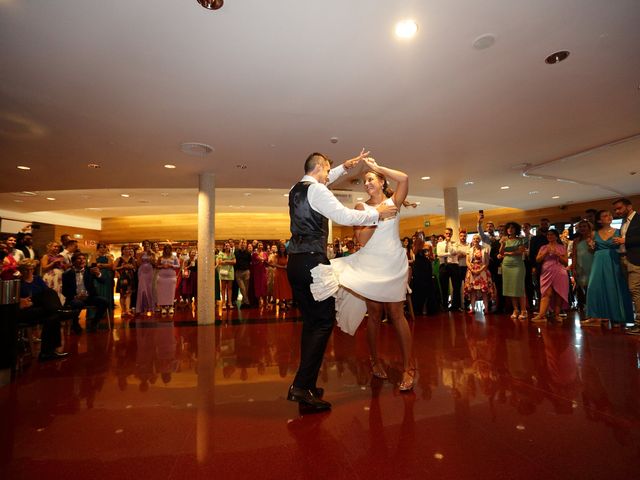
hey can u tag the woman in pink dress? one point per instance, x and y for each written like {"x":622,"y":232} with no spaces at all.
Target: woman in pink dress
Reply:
{"x":554,"y":281}
{"x":259,"y":261}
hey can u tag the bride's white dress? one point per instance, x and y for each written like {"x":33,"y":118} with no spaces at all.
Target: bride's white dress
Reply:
{"x":378,"y":271}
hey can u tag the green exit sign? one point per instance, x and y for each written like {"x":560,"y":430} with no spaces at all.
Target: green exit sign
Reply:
{"x":427,"y":223}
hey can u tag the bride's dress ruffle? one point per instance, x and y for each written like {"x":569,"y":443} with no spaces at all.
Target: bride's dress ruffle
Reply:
{"x":325,"y":282}
{"x":378,"y":271}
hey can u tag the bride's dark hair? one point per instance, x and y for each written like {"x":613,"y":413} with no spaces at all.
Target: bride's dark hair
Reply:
{"x":388,"y":191}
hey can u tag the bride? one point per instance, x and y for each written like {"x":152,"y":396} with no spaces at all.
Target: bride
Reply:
{"x":373,"y":280}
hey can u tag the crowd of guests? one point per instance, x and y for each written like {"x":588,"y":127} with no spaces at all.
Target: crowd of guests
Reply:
{"x":595,"y":269}
{"x":253,"y":274}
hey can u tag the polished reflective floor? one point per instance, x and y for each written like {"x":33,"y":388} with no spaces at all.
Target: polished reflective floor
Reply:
{"x":157,"y":398}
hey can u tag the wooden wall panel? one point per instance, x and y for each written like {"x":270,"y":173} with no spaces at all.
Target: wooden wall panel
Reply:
{"x":276,"y":226}
{"x":185,"y":227}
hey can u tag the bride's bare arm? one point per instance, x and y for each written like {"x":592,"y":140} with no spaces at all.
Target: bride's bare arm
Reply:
{"x":362,"y":234}
{"x":401,"y":179}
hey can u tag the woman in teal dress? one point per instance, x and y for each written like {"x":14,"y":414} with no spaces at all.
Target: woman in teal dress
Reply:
{"x":608,"y":297}
{"x":581,"y":260}
{"x":512,"y":250}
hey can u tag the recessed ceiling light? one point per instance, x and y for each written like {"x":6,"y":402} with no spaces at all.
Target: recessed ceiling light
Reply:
{"x":164,"y":194}
{"x":555,"y":197}
{"x":125,"y":195}
{"x":168,"y":165}
{"x":468,"y":183}
{"x":93,"y":165}
{"x":94,"y":209}
{"x":285,"y":195}
{"x":23,"y":167}
{"x":505,"y":187}
{"x":425,"y":178}
{"x":534,"y":192}
{"x":25,"y":194}
{"x":18,"y":201}
{"x":556,"y":57}
{"x":247,"y":194}
{"x":417,"y":203}
{"x":460,"y":208}
{"x":51,"y":198}
{"x":360,"y":198}
{"x":406,"y":29}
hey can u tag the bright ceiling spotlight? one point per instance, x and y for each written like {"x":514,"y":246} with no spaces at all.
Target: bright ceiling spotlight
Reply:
{"x":406,"y":29}
{"x":211,"y":4}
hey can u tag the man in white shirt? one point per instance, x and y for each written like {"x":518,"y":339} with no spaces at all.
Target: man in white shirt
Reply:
{"x":70,"y":247}
{"x":630,"y":253}
{"x":447,"y":253}
{"x":310,"y":205}
{"x":13,"y":251}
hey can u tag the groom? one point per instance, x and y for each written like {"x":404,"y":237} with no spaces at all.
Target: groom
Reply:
{"x":310,"y":204}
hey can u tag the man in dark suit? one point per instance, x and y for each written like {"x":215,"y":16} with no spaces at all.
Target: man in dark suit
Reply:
{"x":310,"y":204}
{"x":80,"y":292}
{"x":629,"y":242}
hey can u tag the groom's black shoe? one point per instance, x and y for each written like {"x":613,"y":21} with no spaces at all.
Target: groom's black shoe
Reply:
{"x":311,"y":398}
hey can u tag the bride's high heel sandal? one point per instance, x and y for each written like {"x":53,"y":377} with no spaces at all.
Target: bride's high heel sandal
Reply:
{"x":514,"y":315}
{"x":377,"y":370}
{"x":406,"y":385}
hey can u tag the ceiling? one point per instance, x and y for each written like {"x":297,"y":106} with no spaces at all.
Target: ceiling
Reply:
{"x":124,"y":83}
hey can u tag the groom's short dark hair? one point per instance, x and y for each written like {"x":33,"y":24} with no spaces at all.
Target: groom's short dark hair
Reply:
{"x":314,"y":159}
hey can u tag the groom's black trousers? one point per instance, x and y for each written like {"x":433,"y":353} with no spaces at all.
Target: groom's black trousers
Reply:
{"x":317,"y":317}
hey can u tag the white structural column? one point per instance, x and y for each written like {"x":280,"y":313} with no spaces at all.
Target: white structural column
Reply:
{"x":451,"y":212}
{"x":206,"y":249}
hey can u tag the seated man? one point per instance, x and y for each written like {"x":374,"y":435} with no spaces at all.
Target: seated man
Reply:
{"x":80,"y":292}
{"x":40,"y":304}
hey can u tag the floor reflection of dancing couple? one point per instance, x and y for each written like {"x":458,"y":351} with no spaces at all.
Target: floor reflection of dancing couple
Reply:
{"x":317,"y":442}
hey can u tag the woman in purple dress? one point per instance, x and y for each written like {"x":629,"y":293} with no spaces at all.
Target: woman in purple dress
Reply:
{"x":259,"y":261}
{"x":554,"y":281}
{"x":147,"y":260}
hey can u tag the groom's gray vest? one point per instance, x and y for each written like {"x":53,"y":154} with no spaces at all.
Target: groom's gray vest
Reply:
{"x":309,"y":229}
